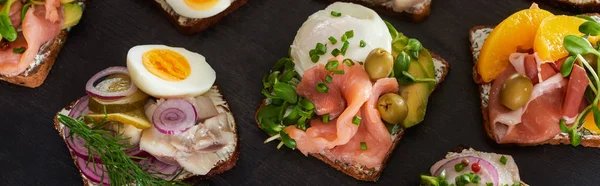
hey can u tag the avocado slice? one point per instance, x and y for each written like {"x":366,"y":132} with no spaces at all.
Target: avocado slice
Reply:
{"x":417,"y":94}
{"x":72,"y":15}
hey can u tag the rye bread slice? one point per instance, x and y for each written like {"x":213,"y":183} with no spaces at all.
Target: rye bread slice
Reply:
{"x":193,"y":25}
{"x":579,"y":6}
{"x":477,"y":36}
{"x":222,"y":107}
{"x":417,"y":13}
{"x":39,"y":68}
{"x":361,"y":172}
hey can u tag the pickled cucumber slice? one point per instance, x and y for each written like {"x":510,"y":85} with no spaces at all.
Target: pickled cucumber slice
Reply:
{"x":136,"y":118}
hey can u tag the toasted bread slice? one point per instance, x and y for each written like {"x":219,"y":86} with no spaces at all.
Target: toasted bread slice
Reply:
{"x":192,"y":25}
{"x":361,"y":172}
{"x":477,"y":36}
{"x":416,"y":13}
{"x":223,"y":165}
{"x":38,"y":70}
{"x":579,"y":6}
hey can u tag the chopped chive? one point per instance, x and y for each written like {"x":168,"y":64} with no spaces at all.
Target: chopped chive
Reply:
{"x":332,"y":40}
{"x":19,"y":50}
{"x":345,"y":47}
{"x":349,"y":34}
{"x":503,"y":160}
{"x":362,"y":44}
{"x":356,"y":120}
{"x":326,"y":118}
{"x":328,"y":78}
{"x":348,"y":62}
{"x":360,"y":62}
{"x":322,"y":87}
{"x":332,"y":65}
{"x":363,"y":145}
{"x":489,"y":184}
{"x":344,"y":38}
{"x":336,"y":14}
{"x":459,"y":167}
{"x":321,"y":48}
{"x":338,"y":72}
{"x":312,"y":52}
{"x":314,"y":58}
{"x":335,"y":52}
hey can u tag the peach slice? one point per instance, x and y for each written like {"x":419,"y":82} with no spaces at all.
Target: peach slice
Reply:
{"x":549,"y":39}
{"x":515,"y":33}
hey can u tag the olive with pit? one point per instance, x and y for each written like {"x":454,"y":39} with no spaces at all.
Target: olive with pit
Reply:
{"x":379,"y":64}
{"x":392,"y":108}
{"x":515,"y":91}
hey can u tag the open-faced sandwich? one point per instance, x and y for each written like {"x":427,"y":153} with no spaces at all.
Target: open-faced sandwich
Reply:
{"x":158,"y":121}
{"x":538,"y":78}
{"x":351,"y":86}
{"x":415,"y":10}
{"x":193,"y":16}
{"x":32,"y":33}
{"x":575,"y":5}
{"x":470,"y":167}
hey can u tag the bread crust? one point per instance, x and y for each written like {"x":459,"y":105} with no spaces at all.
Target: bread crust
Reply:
{"x":219,"y":168}
{"x":557,"y":140}
{"x":360,"y":172}
{"x":191,"y":26}
{"x":575,"y":7}
{"x":415,"y":15}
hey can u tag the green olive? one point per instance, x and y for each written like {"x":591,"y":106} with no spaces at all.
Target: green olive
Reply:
{"x":379,"y":64}
{"x":515,"y":91}
{"x":392,"y":108}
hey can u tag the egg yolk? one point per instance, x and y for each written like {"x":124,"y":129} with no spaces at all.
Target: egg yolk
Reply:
{"x":166,"y":64}
{"x":200,"y":4}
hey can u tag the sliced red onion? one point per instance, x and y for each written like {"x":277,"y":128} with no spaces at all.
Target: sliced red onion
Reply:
{"x":91,"y":90}
{"x":93,"y":171}
{"x":174,"y":116}
{"x":488,"y":172}
{"x":81,"y":107}
{"x":77,"y":145}
{"x":159,"y":168}
{"x":137,"y":152}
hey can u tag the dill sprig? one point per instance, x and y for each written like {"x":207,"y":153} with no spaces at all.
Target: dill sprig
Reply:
{"x":120,"y":167}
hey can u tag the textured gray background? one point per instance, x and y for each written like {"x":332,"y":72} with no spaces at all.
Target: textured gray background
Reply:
{"x":243,"y":47}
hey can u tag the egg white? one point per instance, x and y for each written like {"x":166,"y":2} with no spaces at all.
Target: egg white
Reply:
{"x":183,"y":9}
{"x":366,"y":24}
{"x":200,"y":80}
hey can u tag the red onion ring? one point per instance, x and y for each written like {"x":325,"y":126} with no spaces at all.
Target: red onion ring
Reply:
{"x":159,"y":168}
{"x":81,"y":107}
{"x":93,"y":171}
{"x":91,"y":90}
{"x":77,"y":145}
{"x":174,"y":116}
{"x":485,"y":165}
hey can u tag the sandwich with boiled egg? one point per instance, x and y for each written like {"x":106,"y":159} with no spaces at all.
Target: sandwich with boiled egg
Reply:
{"x":415,"y":10}
{"x":193,"y":16}
{"x":158,"y":121}
{"x":538,"y":76}
{"x":32,"y":34}
{"x":350,"y":87}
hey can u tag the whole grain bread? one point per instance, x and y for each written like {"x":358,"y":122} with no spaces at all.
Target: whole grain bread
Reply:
{"x":192,"y":25}
{"x":361,"y":172}
{"x":186,"y":177}
{"x":476,"y":36}
{"x":574,"y":5}
{"x":415,"y":14}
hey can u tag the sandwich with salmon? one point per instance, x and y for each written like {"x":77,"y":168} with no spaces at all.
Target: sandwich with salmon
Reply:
{"x":350,"y":87}
{"x":415,"y":10}
{"x":193,"y":16}
{"x":538,"y":78}
{"x":470,"y":167}
{"x":32,"y":33}
{"x":158,"y":121}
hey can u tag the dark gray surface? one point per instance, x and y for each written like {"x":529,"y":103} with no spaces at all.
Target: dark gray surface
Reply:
{"x":243,"y":47}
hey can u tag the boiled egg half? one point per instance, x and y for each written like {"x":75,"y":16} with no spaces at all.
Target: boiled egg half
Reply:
{"x":199,"y":8}
{"x":365,"y":24}
{"x":168,"y":72}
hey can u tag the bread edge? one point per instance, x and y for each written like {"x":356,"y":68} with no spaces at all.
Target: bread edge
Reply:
{"x":418,"y":16}
{"x":574,"y":7}
{"x":196,"y":25}
{"x":557,"y":140}
{"x":349,"y":169}
{"x":221,"y":167}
